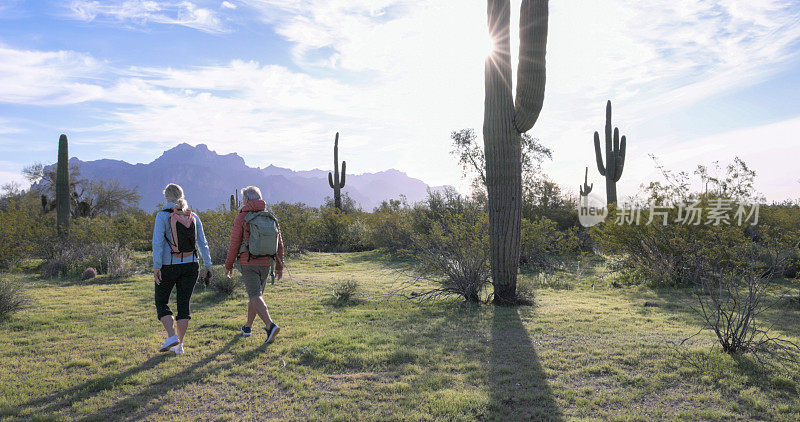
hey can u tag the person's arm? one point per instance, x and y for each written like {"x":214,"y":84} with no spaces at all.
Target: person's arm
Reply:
{"x":159,"y":240}
{"x":202,"y":243}
{"x":237,"y":233}
{"x":158,"y":245}
{"x":279,"y":262}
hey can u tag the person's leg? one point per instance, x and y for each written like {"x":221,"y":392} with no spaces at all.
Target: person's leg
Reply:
{"x":185,"y":286}
{"x":251,"y":315}
{"x":162,"y":292}
{"x":169,"y":324}
{"x":252,"y":277}
{"x":183,"y":325}
{"x":260,"y":307}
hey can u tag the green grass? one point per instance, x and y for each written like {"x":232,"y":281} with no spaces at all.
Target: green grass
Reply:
{"x":87,"y":352}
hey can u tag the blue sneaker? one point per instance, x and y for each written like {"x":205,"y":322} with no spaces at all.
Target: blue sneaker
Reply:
{"x":246,"y":331}
{"x":272,"y":331}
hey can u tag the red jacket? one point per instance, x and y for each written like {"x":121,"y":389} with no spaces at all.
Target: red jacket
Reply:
{"x":241,"y":233}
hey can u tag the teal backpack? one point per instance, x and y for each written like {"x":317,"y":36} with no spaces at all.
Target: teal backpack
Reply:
{"x":264,"y":230}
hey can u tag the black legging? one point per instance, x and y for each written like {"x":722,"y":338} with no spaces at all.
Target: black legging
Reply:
{"x":184,"y":277}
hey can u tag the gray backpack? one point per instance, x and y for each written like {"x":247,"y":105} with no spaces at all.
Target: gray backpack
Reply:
{"x":264,"y":231}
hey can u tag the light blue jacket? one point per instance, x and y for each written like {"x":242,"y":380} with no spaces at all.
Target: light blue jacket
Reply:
{"x":161,"y":251}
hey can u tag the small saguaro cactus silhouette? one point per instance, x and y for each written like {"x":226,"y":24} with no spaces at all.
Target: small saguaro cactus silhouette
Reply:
{"x":586,"y":189}
{"x":336,"y":180}
{"x":235,"y":201}
{"x":615,"y":157}
{"x":62,"y":186}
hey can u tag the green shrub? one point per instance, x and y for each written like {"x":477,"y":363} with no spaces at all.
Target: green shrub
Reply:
{"x":297,"y":222}
{"x":225,"y":286}
{"x":70,"y":258}
{"x":12,"y":298}
{"x":454,"y":253}
{"x":217,"y":227}
{"x":24,"y":231}
{"x":391,"y":229}
{"x":345,"y":290}
{"x":543,"y":246}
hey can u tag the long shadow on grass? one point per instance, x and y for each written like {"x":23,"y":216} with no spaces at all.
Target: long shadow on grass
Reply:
{"x":64,"y":398}
{"x":518,"y":387}
{"x":131,"y":405}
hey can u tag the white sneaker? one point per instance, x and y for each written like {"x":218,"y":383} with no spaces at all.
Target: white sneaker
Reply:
{"x":177,"y":349}
{"x":169,"y":342}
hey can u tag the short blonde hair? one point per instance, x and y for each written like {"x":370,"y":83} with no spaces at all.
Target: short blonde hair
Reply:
{"x":174,"y":193}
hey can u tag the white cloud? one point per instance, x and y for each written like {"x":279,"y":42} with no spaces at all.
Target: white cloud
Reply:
{"x":48,"y":77}
{"x":227,"y":5}
{"x":142,"y":12}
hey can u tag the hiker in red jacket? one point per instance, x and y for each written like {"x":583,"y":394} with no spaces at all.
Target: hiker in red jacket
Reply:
{"x":255,"y":268}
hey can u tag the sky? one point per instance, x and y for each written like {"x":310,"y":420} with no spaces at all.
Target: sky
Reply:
{"x":691,"y":82}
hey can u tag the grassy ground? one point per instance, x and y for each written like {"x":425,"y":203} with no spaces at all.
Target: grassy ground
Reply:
{"x":86,"y":351}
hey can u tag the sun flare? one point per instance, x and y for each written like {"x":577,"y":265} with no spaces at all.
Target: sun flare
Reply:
{"x":491,"y":45}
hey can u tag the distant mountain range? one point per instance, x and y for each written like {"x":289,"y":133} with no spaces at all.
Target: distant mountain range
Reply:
{"x":208,"y":179}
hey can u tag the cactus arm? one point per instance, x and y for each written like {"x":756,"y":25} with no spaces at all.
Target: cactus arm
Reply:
{"x":531,"y":70}
{"x":598,"y":154}
{"x":330,"y":180}
{"x":620,"y":159}
{"x":341,"y":175}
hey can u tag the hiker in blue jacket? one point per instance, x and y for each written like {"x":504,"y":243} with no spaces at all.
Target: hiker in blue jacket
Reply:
{"x":177,"y":238}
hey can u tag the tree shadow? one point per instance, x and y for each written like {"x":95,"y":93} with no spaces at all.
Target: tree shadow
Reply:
{"x":518,"y":388}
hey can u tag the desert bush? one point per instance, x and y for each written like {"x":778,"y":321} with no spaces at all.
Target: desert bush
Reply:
{"x":24,"y":231}
{"x":88,"y":274}
{"x":454,"y":253}
{"x":71,"y":258}
{"x":297,"y":222}
{"x":732,"y":303}
{"x":217,"y":227}
{"x":390,"y":227}
{"x":330,"y":230}
{"x":544,"y":246}
{"x":12,"y":298}
{"x":345,"y":290}
{"x":225,"y":286}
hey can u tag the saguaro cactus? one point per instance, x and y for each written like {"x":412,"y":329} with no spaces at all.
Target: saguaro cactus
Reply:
{"x":615,"y":157}
{"x":586,"y":189}
{"x":336,"y":180}
{"x":62,"y":186}
{"x":235,"y":201}
{"x":504,"y":123}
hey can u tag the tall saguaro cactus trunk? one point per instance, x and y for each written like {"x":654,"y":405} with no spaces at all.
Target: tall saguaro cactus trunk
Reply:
{"x":337,"y":182}
{"x":62,"y":187}
{"x":504,"y":122}
{"x":615,"y":157}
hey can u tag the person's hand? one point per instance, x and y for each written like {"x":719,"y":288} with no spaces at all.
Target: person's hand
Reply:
{"x":157,"y":275}
{"x":209,"y":275}
{"x":279,"y":274}
{"x":228,"y":272}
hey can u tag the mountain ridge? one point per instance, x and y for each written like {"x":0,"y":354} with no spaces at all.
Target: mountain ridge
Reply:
{"x":209,"y":178}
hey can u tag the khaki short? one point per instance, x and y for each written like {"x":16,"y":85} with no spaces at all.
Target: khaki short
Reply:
{"x":254,"y":278}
